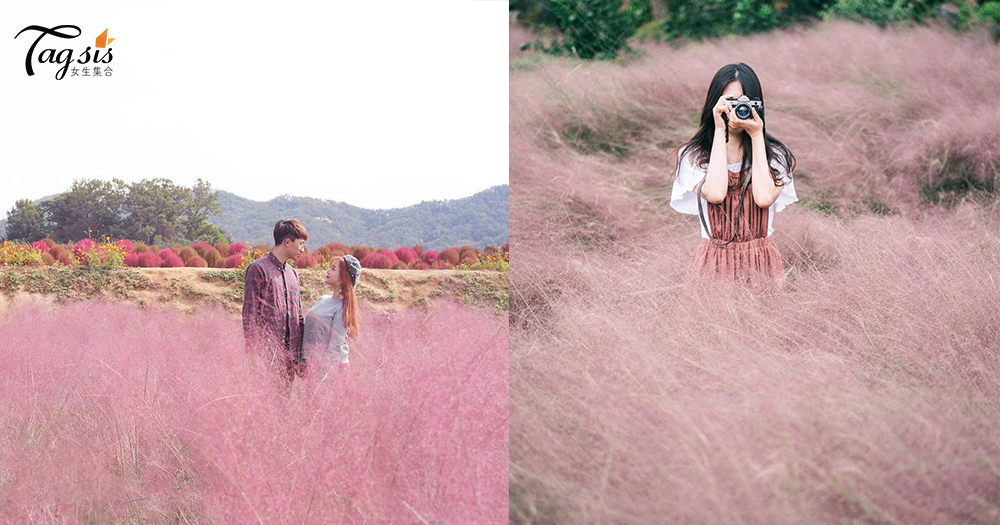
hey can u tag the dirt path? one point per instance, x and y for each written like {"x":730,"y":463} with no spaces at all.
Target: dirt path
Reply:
{"x":189,"y":288}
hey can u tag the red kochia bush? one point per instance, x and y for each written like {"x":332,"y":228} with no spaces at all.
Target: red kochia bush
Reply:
{"x":442,"y":264}
{"x":149,"y":260}
{"x":171,"y":259}
{"x":100,"y":387}
{"x":66,"y":259}
{"x":306,"y":260}
{"x":196,"y":262}
{"x":451,"y":255}
{"x":81,"y":248}
{"x":334,"y":246}
{"x":234,"y":261}
{"x":376,"y":260}
{"x":40,"y":246}
{"x":237,"y":247}
{"x":58,"y":251}
{"x":125,"y":245}
{"x":201,"y":248}
{"x":213,"y":256}
{"x":430,"y":257}
{"x":388,"y":253}
{"x":407,"y":255}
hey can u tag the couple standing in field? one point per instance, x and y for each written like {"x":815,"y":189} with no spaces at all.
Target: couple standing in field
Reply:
{"x":273,"y":323}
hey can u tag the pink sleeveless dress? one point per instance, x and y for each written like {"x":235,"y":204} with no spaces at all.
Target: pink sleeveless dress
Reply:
{"x":752,"y":258}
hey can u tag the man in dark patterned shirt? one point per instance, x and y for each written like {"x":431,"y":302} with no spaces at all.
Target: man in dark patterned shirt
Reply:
{"x":272,"y":310}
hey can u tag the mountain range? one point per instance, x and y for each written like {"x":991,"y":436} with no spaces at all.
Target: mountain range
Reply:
{"x":477,"y":220}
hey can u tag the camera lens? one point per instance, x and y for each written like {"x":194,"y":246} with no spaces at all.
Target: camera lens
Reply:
{"x":743,"y":111}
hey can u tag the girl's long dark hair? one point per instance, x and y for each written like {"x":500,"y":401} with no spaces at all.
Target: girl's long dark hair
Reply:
{"x":701,"y":144}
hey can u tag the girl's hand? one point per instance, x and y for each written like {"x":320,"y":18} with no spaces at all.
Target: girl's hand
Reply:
{"x":754,"y":128}
{"x":722,"y":107}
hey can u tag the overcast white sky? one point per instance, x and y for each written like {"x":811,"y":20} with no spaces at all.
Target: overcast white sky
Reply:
{"x":377,"y":104}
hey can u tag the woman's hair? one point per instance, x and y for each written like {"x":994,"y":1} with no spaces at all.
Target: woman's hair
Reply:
{"x":351,"y":322}
{"x":700,"y":146}
{"x":289,"y":229}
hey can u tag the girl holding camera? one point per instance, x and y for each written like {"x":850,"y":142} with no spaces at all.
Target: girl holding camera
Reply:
{"x":735,"y":176}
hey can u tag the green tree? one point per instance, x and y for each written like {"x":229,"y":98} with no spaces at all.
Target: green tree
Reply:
{"x":202,"y":202}
{"x":153,"y":209}
{"x":91,"y":206}
{"x":26,"y":222}
{"x":594,"y":28}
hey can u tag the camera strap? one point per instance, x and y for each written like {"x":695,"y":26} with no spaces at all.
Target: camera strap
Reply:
{"x":701,"y":213}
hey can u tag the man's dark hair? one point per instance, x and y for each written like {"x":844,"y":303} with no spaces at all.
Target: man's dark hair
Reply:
{"x":289,"y":229}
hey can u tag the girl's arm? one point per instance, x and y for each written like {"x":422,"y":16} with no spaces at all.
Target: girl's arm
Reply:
{"x":717,"y":179}
{"x":764,"y":190}
{"x":717,"y":182}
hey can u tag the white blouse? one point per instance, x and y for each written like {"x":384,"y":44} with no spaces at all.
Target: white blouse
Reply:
{"x":324,"y":336}
{"x":682,"y":197}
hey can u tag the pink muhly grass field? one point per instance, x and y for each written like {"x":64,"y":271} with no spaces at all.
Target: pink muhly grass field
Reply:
{"x":113,"y":414}
{"x":868,"y":391}
{"x":871,"y":115}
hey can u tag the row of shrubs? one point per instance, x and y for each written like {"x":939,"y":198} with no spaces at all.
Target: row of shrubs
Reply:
{"x":124,"y":252}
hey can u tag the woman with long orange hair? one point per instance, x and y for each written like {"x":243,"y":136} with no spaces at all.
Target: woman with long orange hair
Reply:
{"x":334,"y":318}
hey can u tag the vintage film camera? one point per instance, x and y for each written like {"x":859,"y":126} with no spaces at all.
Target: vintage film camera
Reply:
{"x":741,"y":106}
